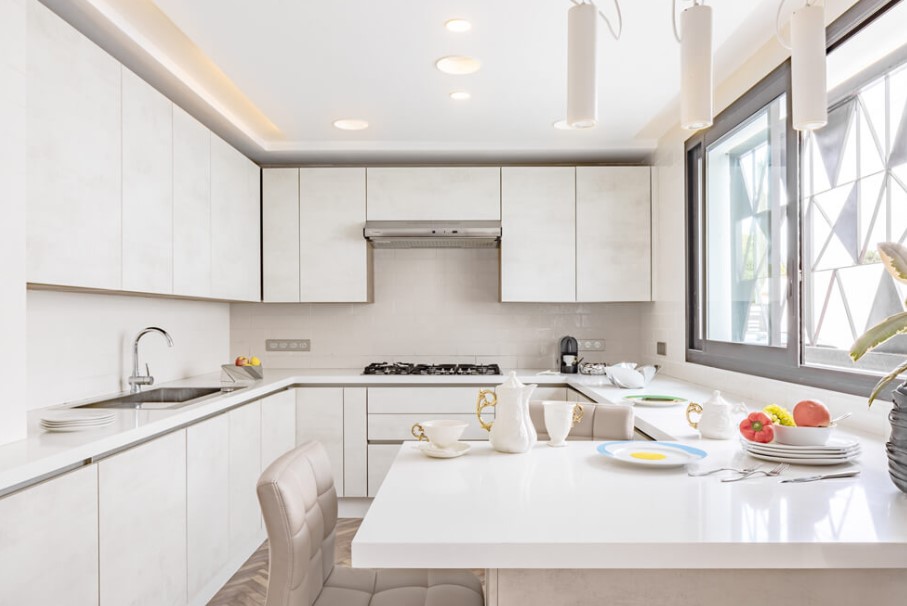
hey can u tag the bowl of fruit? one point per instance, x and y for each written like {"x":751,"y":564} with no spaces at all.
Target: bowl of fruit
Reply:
{"x":244,"y":367}
{"x":808,"y":425}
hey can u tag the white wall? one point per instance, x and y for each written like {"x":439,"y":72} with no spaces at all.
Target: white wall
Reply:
{"x":80,"y":345}
{"x":665,"y":320}
{"x":433,"y":306}
{"x":12,"y":225}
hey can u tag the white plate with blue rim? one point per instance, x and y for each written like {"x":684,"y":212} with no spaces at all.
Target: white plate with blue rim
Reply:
{"x":652,"y":454}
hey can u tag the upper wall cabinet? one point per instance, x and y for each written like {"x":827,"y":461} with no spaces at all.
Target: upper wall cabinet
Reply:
{"x":191,"y":206}
{"x":74,"y":159}
{"x":434,"y":193}
{"x":124,"y":191}
{"x":147,"y":187}
{"x":538,"y":244}
{"x":235,"y":224}
{"x":313,"y":245}
{"x":613,"y":233}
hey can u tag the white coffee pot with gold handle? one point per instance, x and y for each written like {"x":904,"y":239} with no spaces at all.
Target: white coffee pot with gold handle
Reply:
{"x":512,"y":429}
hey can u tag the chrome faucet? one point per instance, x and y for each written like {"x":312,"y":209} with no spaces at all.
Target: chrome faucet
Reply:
{"x":136,"y":380}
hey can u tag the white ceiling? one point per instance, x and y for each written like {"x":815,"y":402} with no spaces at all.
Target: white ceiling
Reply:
{"x":305,"y":64}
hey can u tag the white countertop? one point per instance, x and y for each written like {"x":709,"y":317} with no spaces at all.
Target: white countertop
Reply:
{"x":574,"y":508}
{"x":44,"y":454}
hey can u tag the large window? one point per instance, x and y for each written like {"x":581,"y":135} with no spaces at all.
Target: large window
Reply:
{"x":783,"y":227}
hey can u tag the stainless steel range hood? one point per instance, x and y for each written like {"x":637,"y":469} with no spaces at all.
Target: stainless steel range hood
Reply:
{"x":433,"y":234}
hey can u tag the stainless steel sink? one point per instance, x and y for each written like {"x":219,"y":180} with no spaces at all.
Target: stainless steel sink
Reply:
{"x":162,"y":398}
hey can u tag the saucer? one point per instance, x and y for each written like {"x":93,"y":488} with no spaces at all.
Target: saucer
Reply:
{"x":458,"y":449}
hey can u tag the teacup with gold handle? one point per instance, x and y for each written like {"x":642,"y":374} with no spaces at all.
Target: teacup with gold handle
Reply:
{"x":442,"y":433}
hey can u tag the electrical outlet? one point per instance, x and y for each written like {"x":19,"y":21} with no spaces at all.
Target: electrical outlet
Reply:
{"x":593,"y":344}
{"x":661,"y":348}
{"x":288,"y":345}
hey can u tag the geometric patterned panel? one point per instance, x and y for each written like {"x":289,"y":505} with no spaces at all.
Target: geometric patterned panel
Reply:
{"x":854,"y":195}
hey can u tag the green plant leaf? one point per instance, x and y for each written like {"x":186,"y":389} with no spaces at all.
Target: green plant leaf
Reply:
{"x":894,"y":256}
{"x":878,"y":334}
{"x":885,"y":381}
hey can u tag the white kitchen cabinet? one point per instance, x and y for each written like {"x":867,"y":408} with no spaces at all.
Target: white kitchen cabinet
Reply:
{"x":334,"y":258}
{"x":142,"y":524}
{"x":235,"y":224}
{"x":49,"y":542}
{"x":191,"y":206}
{"x":538,"y":245}
{"x":73,"y":157}
{"x":207,"y":507}
{"x":147,"y":187}
{"x":575,"y":396}
{"x":355,"y":439}
{"x":278,"y":426}
{"x":313,"y":248}
{"x":380,"y":458}
{"x":245,"y":468}
{"x":423,"y":400}
{"x":545,"y":392}
{"x":613,"y":233}
{"x":281,"y":250}
{"x":434,"y":193}
{"x":319,"y":416}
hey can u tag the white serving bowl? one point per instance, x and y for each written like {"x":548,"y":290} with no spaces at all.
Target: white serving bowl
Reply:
{"x":803,"y":436}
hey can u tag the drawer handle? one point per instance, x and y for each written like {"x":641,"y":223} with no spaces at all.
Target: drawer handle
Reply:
{"x":487,"y":397}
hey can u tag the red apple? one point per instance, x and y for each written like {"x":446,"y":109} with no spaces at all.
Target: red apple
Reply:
{"x":810,"y":413}
{"x":241,"y":361}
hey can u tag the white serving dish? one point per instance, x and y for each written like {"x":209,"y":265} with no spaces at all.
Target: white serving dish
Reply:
{"x":803,"y":436}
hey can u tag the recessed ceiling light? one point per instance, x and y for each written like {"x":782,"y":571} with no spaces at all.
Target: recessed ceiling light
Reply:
{"x":458,"y":25}
{"x":460,"y":95}
{"x":351,"y":124}
{"x":457,"y":65}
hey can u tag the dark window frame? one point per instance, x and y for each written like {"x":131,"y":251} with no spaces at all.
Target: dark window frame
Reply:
{"x":780,"y":363}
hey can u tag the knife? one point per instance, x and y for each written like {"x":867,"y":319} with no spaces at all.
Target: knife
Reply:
{"x":826,"y":476}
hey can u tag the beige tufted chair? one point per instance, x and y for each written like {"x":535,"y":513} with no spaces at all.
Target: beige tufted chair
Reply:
{"x":299,"y":504}
{"x":600,"y":422}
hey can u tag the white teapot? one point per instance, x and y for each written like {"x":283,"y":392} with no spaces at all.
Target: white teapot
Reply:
{"x":716,"y":417}
{"x":512,"y":429}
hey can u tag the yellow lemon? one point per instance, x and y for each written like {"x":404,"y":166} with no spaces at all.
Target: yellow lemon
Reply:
{"x":253,"y":361}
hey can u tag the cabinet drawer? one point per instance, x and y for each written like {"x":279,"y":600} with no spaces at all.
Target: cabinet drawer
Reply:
{"x":423,"y":401}
{"x":549,"y":393}
{"x":380,"y":458}
{"x":398,"y":427}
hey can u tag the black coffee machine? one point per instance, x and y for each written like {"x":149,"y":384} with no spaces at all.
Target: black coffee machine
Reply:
{"x":569,"y":355}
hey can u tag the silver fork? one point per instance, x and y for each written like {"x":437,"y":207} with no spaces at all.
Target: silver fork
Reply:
{"x":775,"y":471}
{"x":746,"y":470}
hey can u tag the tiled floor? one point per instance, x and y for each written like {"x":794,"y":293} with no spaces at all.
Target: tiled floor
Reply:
{"x":249,"y":586}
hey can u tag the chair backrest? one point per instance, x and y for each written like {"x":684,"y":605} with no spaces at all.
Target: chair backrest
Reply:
{"x":299,"y":505}
{"x":600,"y":422}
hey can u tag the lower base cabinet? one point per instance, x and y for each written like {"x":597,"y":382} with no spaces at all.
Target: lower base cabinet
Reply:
{"x":380,"y":458}
{"x":208,"y":494}
{"x":278,"y":426}
{"x":142,"y":524}
{"x":575,"y":396}
{"x":245,"y":467}
{"x":319,"y":416}
{"x":49,"y":542}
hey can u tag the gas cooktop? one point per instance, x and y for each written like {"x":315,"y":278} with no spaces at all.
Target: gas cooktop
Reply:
{"x":402,"y":368}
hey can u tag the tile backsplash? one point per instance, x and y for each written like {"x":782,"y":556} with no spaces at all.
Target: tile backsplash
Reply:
{"x":433,"y":305}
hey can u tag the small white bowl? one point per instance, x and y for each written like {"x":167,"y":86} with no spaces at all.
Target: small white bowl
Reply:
{"x":803,"y":436}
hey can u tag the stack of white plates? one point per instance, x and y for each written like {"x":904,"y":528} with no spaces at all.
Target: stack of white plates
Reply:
{"x":76,"y":420}
{"x":835,"y":452}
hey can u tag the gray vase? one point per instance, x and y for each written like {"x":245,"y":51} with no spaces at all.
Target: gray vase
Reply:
{"x":897,"y":447}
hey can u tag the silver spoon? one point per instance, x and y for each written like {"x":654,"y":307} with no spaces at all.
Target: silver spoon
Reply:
{"x":840,"y":418}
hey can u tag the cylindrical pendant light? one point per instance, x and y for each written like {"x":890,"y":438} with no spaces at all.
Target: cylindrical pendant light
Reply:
{"x":582,"y":94}
{"x":696,"y":67}
{"x":808,"y":77}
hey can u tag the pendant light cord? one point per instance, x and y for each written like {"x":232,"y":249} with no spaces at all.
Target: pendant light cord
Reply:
{"x":674,"y":16}
{"x":778,"y":35}
{"x":620,"y":19}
